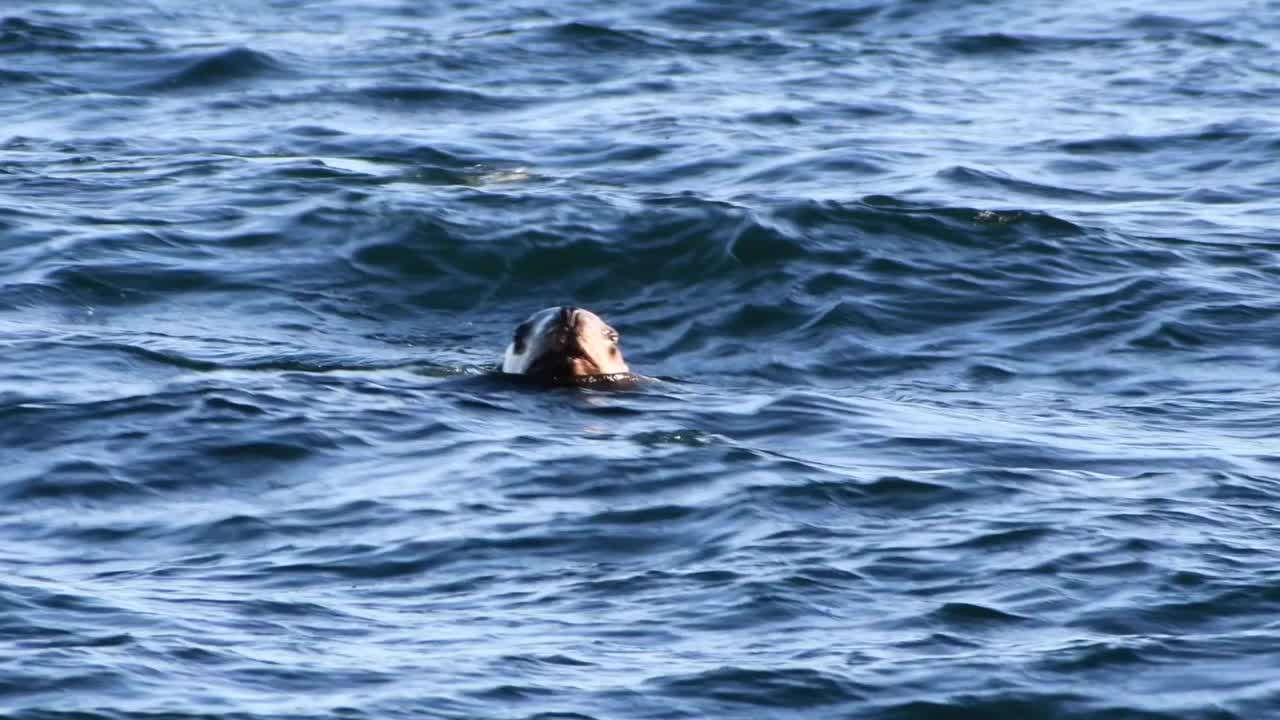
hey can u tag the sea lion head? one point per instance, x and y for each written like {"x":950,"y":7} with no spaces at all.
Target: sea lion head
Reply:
{"x":564,"y":344}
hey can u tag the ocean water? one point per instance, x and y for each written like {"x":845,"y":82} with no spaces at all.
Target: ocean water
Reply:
{"x":967,"y":314}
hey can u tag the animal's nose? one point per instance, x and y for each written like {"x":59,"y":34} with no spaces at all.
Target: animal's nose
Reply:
{"x":566,"y":315}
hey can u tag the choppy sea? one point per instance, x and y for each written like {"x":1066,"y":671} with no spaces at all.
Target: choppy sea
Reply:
{"x":968,"y":314}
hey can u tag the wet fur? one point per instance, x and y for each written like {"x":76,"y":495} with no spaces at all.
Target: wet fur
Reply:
{"x":564,"y":345}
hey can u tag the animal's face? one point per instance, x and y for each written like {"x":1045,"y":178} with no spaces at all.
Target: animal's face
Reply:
{"x":564,"y":342}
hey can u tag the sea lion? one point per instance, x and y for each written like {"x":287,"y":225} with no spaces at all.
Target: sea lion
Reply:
{"x":566,"y":345}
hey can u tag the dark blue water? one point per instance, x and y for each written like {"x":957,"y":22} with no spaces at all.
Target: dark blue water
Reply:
{"x":970,"y":308}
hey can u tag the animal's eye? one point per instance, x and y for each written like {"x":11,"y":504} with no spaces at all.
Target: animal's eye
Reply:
{"x":517,"y":341}
{"x":613,"y":337}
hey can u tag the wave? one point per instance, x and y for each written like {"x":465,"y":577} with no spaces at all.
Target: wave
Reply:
{"x":228,"y":66}
{"x":18,"y":34}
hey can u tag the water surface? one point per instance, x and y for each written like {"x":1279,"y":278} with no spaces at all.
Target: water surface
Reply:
{"x":969,"y":312}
